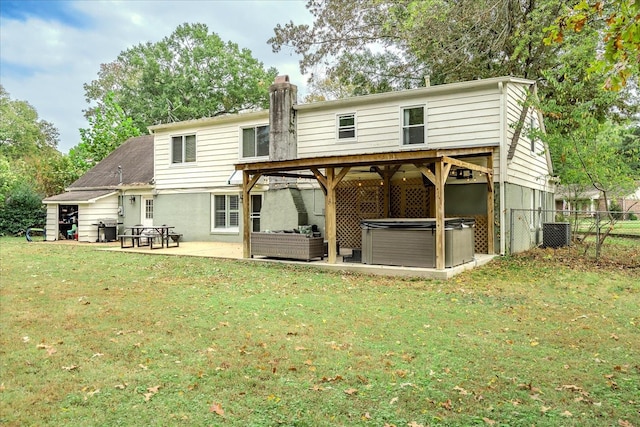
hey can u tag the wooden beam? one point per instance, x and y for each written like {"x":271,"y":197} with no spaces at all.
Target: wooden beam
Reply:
{"x":289,"y":175}
{"x":466,"y":165}
{"x":252,"y":182}
{"x":426,"y":172}
{"x":353,"y":160}
{"x":330,"y":227}
{"x":440,"y":250}
{"x":343,"y":172}
{"x":490,"y":209}
{"x":445,"y":172}
{"x":322,"y":180}
{"x":246,"y":202}
{"x":248,"y":182}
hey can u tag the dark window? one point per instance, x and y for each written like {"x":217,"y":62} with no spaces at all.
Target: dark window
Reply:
{"x":413,"y":126}
{"x":346,"y":126}
{"x":183,"y":149}
{"x":255,"y":141}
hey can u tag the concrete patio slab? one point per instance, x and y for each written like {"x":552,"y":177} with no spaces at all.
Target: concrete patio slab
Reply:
{"x":234,"y":251}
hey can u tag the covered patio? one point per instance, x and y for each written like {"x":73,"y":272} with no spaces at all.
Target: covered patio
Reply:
{"x":433,"y":167}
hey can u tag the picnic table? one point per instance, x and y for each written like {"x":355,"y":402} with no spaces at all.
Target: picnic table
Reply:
{"x":144,"y":235}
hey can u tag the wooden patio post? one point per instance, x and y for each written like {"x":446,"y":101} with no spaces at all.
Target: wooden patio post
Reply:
{"x":330,"y":216}
{"x":246,"y":206}
{"x":439,"y":184}
{"x":490,"y":207}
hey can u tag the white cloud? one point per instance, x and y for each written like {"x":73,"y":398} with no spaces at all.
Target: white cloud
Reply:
{"x":57,"y":60}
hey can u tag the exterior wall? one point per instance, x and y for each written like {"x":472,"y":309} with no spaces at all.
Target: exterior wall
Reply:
{"x":91,"y":213}
{"x":52,"y":222}
{"x":460,"y":115}
{"x":528,"y":167}
{"x":217,"y":151}
{"x":279,"y":211}
{"x":452,"y":120}
{"x":524,"y":228}
{"x":191,"y":214}
{"x":469,"y":199}
{"x":131,"y":213}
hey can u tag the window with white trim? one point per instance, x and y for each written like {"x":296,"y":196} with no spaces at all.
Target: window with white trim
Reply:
{"x":183,"y":149}
{"x":226,"y":212}
{"x":346,"y":124}
{"x":148,"y":208}
{"x":413,"y":125}
{"x":255,"y":141}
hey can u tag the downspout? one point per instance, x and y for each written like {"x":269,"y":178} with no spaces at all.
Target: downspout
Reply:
{"x":503,"y":168}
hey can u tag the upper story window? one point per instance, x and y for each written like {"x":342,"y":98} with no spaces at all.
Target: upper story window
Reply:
{"x":346,"y":126}
{"x":413,"y":129}
{"x":183,"y":149}
{"x":255,"y":141}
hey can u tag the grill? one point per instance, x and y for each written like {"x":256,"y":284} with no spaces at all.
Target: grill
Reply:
{"x":107,"y":229}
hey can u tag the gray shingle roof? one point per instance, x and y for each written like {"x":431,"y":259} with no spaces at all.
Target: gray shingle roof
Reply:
{"x":134,"y":156}
{"x":79,"y":196}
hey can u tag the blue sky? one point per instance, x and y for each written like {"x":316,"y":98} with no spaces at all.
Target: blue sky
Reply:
{"x":60,"y":11}
{"x":49,"y":49}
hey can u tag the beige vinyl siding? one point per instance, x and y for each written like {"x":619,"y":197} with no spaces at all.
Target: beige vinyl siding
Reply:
{"x":453,"y":120}
{"x":52,"y":222}
{"x":527,"y":168}
{"x":217,"y":148}
{"x":91,"y":213}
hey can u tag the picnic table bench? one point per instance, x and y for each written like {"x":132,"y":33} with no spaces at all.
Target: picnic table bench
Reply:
{"x":140,"y":235}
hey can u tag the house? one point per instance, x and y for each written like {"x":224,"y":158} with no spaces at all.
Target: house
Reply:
{"x":572,"y":198}
{"x":117,"y":187}
{"x":460,"y":149}
{"x":455,"y":150}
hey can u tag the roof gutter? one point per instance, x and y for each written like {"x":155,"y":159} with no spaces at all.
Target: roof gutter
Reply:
{"x":413,"y":93}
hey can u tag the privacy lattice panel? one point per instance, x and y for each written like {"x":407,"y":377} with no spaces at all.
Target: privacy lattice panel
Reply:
{"x":357,"y":200}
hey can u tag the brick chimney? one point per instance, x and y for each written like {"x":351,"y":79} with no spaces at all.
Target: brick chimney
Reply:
{"x":283,"y":144}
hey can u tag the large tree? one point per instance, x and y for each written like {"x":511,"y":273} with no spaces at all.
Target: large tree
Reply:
{"x":402,"y":41}
{"x":108,"y":128}
{"x":188,"y":75}
{"x":619,"y":21}
{"x":30,"y":165}
{"x":22,"y":133}
{"x":380,"y":45}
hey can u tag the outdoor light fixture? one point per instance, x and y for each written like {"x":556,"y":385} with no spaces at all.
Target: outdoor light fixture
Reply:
{"x":132,"y":199}
{"x":464,"y":174}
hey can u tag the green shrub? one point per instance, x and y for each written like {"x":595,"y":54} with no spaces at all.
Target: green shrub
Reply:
{"x":22,"y":209}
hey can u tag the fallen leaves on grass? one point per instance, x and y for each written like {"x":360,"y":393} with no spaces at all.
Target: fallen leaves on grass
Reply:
{"x":151,"y":392}
{"x":460,"y":390}
{"x":331,"y":379}
{"x":216,"y":408}
{"x":50,"y":350}
{"x":351,"y":391}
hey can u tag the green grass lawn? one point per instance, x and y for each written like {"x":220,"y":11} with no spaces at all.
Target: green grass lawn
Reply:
{"x":95,"y":338}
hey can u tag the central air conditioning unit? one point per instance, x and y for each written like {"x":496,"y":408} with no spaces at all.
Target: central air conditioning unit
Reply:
{"x":556,"y":234}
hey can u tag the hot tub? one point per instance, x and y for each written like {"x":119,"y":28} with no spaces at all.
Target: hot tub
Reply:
{"x":411,"y":242}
